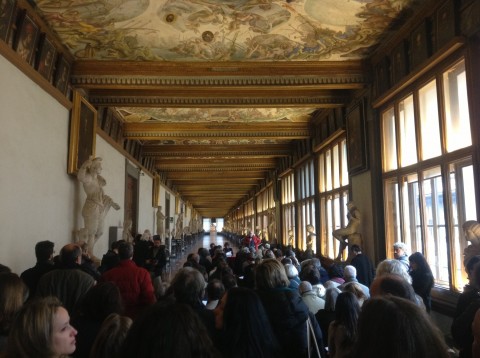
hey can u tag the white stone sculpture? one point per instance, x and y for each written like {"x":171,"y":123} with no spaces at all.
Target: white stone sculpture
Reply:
{"x":349,"y":235}
{"x":97,"y":204}
{"x":160,"y":223}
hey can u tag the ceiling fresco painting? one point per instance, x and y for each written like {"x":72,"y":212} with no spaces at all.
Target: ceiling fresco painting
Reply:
{"x":213,"y":30}
{"x":219,"y":96}
{"x":192,"y":115}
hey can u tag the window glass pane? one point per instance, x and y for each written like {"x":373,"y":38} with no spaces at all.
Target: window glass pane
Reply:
{"x":323,"y":225}
{"x":457,"y":118}
{"x":463,"y":209}
{"x":321,"y":168}
{"x":329,"y":212}
{"x":343,"y":146}
{"x":336,"y":169}
{"x":408,"y":145}
{"x":389,"y":142}
{"x":392,"y":215}
{"x":430,"y":129}
{"x":338,"y":224}
{"x":436,"y":234}
{"x":312,"y":180}
{"x":412,"y":223}
{"x":328,"y":171}
{"x":307,"y":181}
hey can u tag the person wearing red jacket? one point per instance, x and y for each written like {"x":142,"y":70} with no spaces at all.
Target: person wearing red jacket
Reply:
{"x":134,"y":283}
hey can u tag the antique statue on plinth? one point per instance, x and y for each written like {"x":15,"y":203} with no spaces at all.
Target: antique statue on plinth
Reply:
{"x":291,"y":238}
{"x":160,"y":223}
{"x":97,"y":203}
{"x":127,"y":230}
{"x":471,"y":229}
{"x":349,"y":235}
{"x":310,"y":236}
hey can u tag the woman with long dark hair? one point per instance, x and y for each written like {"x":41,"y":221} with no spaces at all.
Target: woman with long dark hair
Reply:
{"x":394,"y":327}
{"x":289,"y":316}
{"x":244,"y":327}
{"x":168,"y":329}
{"x":422,"y":278}
{"x":343,"y":330}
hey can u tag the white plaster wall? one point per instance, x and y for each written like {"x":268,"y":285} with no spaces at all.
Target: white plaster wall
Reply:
{"x":35,"y":190}
{"x":146,"y":212}
{"x":39,"y":200}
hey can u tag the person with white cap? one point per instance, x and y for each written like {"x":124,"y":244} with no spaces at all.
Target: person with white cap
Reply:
{"x":310,"y":298}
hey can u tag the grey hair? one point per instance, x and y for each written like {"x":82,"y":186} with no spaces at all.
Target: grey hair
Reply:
{"x":394,"y":267}
{"x":400,"y":245}
{"x":291,"y":271}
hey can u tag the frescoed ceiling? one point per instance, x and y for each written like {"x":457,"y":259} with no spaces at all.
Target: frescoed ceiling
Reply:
{"x":211,"y":30}
{"x":219,"y":91}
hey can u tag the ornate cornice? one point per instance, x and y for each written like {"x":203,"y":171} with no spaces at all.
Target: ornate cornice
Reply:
{"x":201,"y":81}
{"x":209,"y":102}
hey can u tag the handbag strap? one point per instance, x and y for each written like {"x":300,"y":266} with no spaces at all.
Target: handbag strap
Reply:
{"x":311,"y":337}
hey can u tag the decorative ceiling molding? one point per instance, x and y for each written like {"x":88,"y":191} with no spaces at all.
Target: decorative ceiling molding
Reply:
{"x":356,"y":80}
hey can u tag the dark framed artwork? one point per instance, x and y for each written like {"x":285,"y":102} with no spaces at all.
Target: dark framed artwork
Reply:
{"x":382,"y":76}
{"x":399,"y":62}
{"x":7,"y":14}
{"x":46,"y":58}
{"x":27,"y":37}
{"x":445,"y":24}
{"x":62,"y":74}
{"x":356,"y":140}
{"x":83,"y":123}
{"x":420,"y":45}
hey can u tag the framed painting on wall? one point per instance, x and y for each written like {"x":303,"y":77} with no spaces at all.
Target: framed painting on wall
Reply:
{"x":46,"y":58}
{"x":356,"y":140}
{"x":83,"y":123}
{"x":7,"y":14}
{"x":28,"y":33}
{"x":62,"y":75}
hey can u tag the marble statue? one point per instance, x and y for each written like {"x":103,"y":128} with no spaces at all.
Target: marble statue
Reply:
{"x":97,"y":204}
{"x":291,"y":238}
{"x":127,"y":230}
{"x":310,"y":236}
{"x":471,"y":229}
{"x":179,"y":227}
{"x":160,"y":223}
{"x":272,"y":227}
{"x":349,"y":235}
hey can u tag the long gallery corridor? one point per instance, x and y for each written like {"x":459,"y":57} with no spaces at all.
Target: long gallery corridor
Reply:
{"x":177,"y":262}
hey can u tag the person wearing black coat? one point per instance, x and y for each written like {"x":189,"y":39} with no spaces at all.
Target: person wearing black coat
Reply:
{"x":286,"y":311}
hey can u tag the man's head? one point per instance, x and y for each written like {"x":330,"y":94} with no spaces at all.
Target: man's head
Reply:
{"x":44,"y":250}
{"x":349,"y":272}
{"x":357,"y":250}
{"x":71,"y":255}
{"x":157,"y":241}
{"x":215,"y":290}
{"x":399,"y":249}
{"x":392,"y":285}
{"x":304,"y":287}
{"x":188,"y":286}
{"x":125,"y":251}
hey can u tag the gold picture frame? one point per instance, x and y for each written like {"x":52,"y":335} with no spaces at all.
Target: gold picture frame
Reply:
{"x":83,"y":124}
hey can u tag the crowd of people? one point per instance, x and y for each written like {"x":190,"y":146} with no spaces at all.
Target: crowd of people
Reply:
{"x":254,"y":300}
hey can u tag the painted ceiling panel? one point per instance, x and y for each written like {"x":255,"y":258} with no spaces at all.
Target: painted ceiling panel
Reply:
{"x":191,"y":115}
{"x":211,"y":30}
